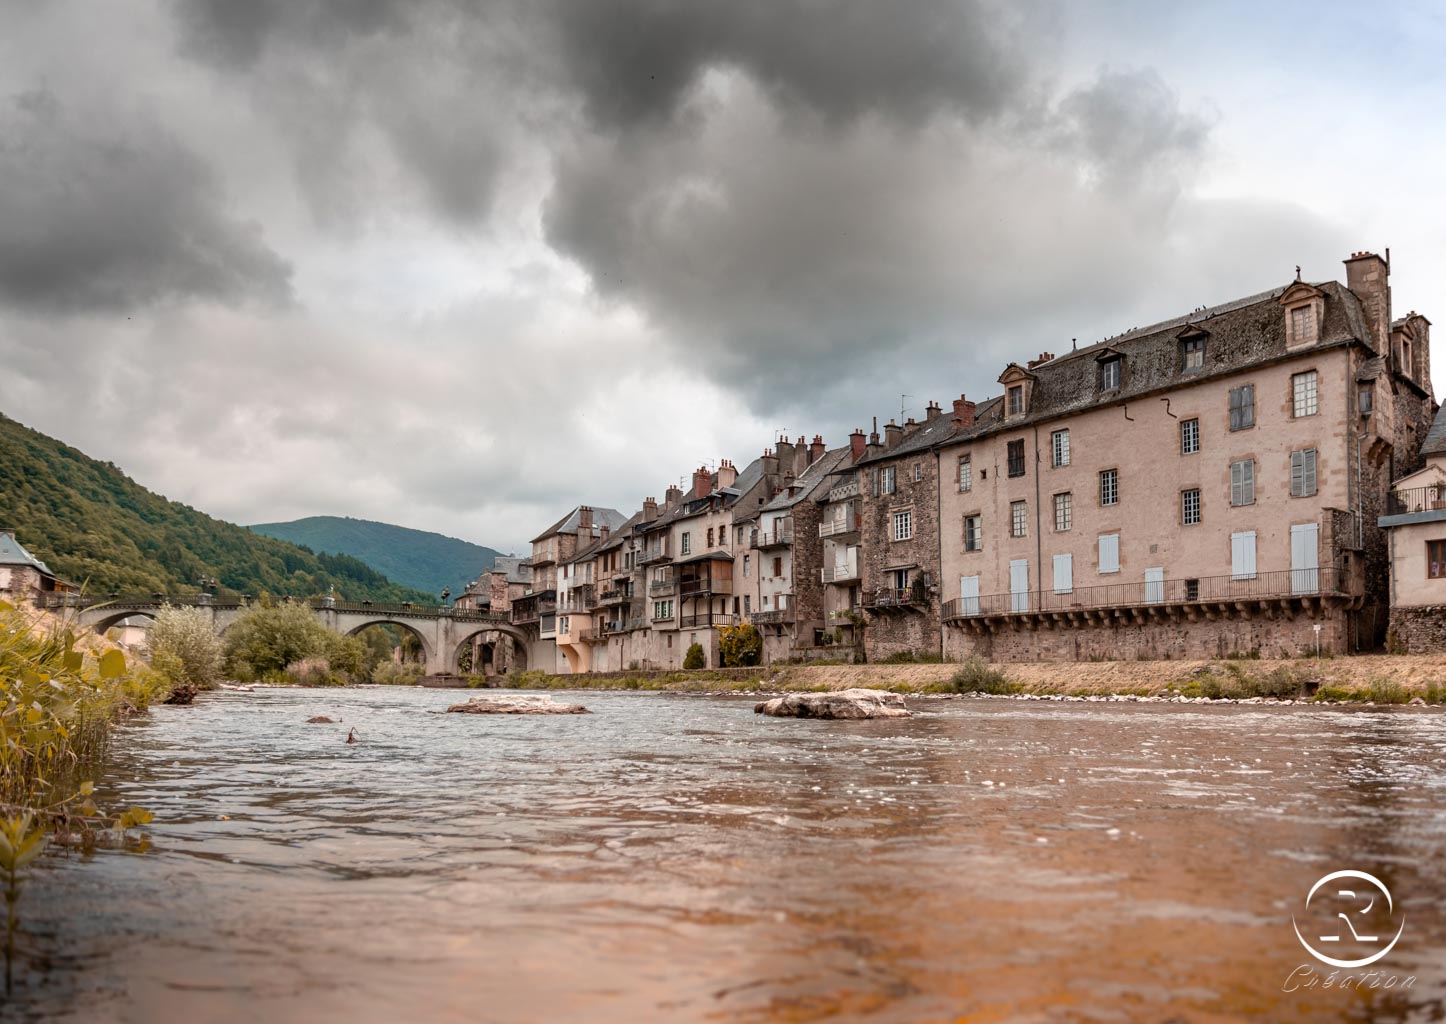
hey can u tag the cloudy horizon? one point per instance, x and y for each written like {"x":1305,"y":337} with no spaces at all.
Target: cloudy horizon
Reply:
{"x":460,"y":266}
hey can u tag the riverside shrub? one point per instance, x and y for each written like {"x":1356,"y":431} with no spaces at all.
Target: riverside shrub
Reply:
{"x":739,"y":646}
{"x":184,"y":648}
{"x":695,"y":658}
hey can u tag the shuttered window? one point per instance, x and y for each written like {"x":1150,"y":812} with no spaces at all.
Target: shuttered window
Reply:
{"x":973,"y":533}
{"x":1242,"y":482}
{"x":1242,"y":555}
{"x":1302,"y":473}
{"x":1016,"y":458}
{"x":1110,"y":552}
{"x":1242,"y":407}
{"x":966,"y":473}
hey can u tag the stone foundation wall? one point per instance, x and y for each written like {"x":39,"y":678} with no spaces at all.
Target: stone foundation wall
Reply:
{"x":1155,"y":641}
{"x":1419,"y":630}
{"x":899,"y":631}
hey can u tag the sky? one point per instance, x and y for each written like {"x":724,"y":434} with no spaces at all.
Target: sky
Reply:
{"x":461,"y":266}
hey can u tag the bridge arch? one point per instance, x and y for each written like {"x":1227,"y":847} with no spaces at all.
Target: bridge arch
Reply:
{"x":106,"y":622}
{"x":519,"y":644}
{"x":428,"y":649}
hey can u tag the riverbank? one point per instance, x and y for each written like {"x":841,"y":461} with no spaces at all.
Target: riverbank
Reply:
{"x":1381,"y":679}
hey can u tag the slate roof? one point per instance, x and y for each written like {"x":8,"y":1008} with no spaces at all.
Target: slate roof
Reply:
{"x":513,"y":567}
{"x":12,"y":552}
{"x":926,"y":435}
{"x":1241,"y":334}
{"x":570,"y":522}
{"x":1435,"y":441}
{"x":813,"y":477}
{"x":748,"y":478}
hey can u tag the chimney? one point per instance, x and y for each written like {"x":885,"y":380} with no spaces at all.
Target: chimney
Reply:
{"x":1368,"y":276}
{"x":856,"y":445}
{"x":702,"y":482}
{"x":893,"y":434}
{"x":650,"y":509}
{"x":963,"y":417}
{"x":672,"y":496}
{"x":1040,"y":360}
{"x":584,"y":519}
{"x":1422,"y":327}
{"x":816,"y":450}
{"x":727,"y":473}
{"x":784,"y":451}
{"x":769,"y":464}
{"x":932,"y":411}
{"x":603,"y":534}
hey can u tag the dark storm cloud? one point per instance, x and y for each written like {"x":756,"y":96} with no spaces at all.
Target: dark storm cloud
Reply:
{"x":99,"y":211}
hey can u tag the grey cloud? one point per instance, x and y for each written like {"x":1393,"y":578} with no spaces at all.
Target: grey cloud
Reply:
{"x":102,"y":211}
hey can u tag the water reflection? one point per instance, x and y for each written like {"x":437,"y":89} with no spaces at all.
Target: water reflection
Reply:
{"x":678,"y":858}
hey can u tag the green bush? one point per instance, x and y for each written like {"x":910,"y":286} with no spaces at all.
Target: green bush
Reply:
{"x":389,"y":673}
{"x":184,"y":648}
{"x":313,"y":672}
{"x":1387,"y":691}
{"x":913,"y":658}
{"x":695,"y":658}
{"x":976,"y":675}
{"x":739,"y":646}
{"x":264,"y":641}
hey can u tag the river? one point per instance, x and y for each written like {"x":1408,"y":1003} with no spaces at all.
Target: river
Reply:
{"x":678,"y":858}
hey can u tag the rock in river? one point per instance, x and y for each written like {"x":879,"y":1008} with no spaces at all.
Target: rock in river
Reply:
{"x":836,"y":704}
{"x":516,"y":704}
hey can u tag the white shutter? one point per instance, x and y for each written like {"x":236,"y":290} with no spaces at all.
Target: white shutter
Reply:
{"x":1242,"y":555}
{"x":1110,"y":552}
{"x":1154,"y":586}
{"x":1063,"y":574}
{"x":1019,"y":585}
{"x":1304,"y":559}
{"x":969,"y":595}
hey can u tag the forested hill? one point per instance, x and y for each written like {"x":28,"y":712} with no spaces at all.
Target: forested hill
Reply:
{"x":427,"y":561}
{"x":95,"y":526}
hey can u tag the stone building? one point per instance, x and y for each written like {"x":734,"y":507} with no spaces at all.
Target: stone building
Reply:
{"x":25,"y":579}
{"x":536,"y":608}
{"x":1204,"y":486}
{"x":1415,"y":523}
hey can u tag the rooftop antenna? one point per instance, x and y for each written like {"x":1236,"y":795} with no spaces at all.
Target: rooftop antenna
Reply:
{"x":1297,"y":271}
{"x":1074,"y":344}
{"x":902,"y":407}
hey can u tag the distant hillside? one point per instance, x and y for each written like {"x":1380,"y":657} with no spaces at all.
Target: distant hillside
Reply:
{"x":94,"y":525}
{"x":416,"y":558}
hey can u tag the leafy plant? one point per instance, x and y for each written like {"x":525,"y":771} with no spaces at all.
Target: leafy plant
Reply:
{"x":695,"y":658}
{"x":184,"y":648}
{"x":739,"y":646}
{"x":975,"y":675}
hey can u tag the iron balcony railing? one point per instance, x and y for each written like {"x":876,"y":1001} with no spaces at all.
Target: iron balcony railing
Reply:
{"x":698,"y":587}
{"x":660,"y":550}
{"x":772,"y":616}
{"x":707,"y":619}
{"x":780,"y":536}
{"x":839,"y":525}
{"x":844,"y":491}
{"x":617,"y":595}
{"x":663,"y":587}
{"x":637,"y":622}
{"x":1416,"y":499}
{"x":1189,"y":590}
{"x":891,"y":597}
{"x":532,"y":611}
{"x":838,"y":573}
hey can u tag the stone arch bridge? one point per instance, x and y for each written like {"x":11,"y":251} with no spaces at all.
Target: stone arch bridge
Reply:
{"x":442,"y":631}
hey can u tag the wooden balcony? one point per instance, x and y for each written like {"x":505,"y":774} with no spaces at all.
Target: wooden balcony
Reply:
{"x":708,"y":619}
{"x":773,"y":617}
{"x":839,"y":573}
{"x":780,"y":536}
{"x":700,"y":587}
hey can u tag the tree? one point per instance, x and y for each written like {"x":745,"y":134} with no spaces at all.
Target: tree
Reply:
{"x":740,"y":645}
{"x":184,"y":648}
{"x":695,"y":658}
{"x":261,"y":643}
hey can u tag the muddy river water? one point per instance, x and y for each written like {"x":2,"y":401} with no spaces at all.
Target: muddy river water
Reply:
{"x":678,"y":858}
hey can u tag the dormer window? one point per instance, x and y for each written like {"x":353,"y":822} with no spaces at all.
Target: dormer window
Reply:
{"x":1018,"y":382}
{"x":1016,"y":400}
{"x":1110,"y":374}
{"x":1192,"y":351}
{"x":1302,"y":322}
{"x":1406,"y":357}
{"x":1304,"y":307}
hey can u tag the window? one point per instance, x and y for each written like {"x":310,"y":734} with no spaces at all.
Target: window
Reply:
{"x":1016,"y":400}
{"x":710,"y":536}
{"x":903,"y":524}
{"x":1406,"y":358}
{"x":1063,"y":512}
{"x":973,"y":533}
{"x":1302,"y":473}
{"x":1109,"y":487}
{"x":748,"y":603}
{"x":1242,"y":407}
{"x":1109,"y":374}
{"x":900,"y":578}
{"x":918,"y":471}
{"x":1016,"y":457}
{"x":1190,"y":507}
{"x":1242,"y":482}
{"x":1109,"y":552}
{"x":1365,"y":399}
{"x":662,"y":609}
{"x":747,"y":564}
{"x":966,"y":473}
{"x":687,"y":542}
{"x":1436,"y":559}
{"x":1192,"y":354}
{"x":1242,"y":555}
{"x":1302,"y":324}
{"x":1059,"y":446}
{"x":777,"y":567}
{"x":886,"y":480}
{"x":1189,"y":437}
{"x":1018,"y":518}
{"x":1302,"y":386}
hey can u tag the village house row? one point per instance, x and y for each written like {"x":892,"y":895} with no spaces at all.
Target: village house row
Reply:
{"x":1239,"y":479}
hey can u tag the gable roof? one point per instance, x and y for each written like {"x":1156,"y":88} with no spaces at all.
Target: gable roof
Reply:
{"x":1435,"y":441}
{"x":12,"y":552}
{"x":570,"y":522}
{"x":816,"y":475}
{"x":925,"y":435}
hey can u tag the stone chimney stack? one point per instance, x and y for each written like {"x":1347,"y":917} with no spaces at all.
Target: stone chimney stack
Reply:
{"x":702,"y":482}
{"x":727,"y":473}
{"x":816,"y":449}
{"x":1040,"y":360}
{"x":584,"y":519}
{"x":932,"y":411}
{"x":784,"y":451}
{"x":893,"y":434}
{"x":768,"y":463}
{"x":650,"y":509}
{"x":963,"y":417}
{"x":1422,"y":327}
{"x":672,"y":496}
{"x":1369,"y":277}
{"x":603,"y":533}
{"x":856,"y":446}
